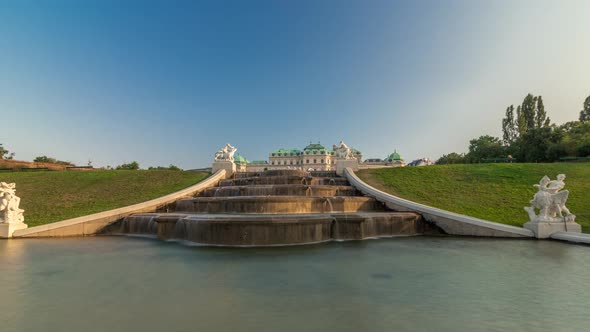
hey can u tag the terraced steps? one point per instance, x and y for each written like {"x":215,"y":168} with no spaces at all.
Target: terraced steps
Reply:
{"x":278,"y":204}
{"x":282,"y":207}
{"x":280,"y":190}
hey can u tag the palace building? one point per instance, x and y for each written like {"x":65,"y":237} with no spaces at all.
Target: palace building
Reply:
{"x":314,"y":157}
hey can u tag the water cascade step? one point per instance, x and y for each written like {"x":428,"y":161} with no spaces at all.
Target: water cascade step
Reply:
{"x":278,"y":207}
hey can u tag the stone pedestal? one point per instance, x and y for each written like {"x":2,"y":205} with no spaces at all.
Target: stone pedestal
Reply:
{"x":6,"y":229}
{"x":228,"y":166}
{"x":544,"y":229}
{"x":342,"y":164}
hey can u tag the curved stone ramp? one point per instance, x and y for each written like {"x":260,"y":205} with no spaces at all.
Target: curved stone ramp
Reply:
{"x":95,"y":223}
{"x":451,"y":223}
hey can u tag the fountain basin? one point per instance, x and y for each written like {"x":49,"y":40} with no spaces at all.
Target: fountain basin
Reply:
{"x":285,"y":229}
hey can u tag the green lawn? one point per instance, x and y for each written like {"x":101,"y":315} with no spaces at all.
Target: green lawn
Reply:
{"x":494,"y":192}
{"x":53,"y":196}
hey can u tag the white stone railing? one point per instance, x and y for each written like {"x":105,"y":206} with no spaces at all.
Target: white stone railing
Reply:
{"x":451,"y":223}
{"x":94,"y":223}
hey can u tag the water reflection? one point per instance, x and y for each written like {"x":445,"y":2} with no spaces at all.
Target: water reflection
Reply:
{"x":402,"y":284}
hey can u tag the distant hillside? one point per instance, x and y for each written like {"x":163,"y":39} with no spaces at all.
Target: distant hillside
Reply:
{"x":494,"y":192}
{"x":27,"y":164}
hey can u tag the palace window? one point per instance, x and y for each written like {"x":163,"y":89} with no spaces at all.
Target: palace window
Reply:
{"x":322,"y":161}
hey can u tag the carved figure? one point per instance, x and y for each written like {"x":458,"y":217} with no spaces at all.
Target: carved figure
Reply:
{"x":10,"y":212}
{"x":226,"y":153}
{"x":550,"y":201}
{"x":343,"y":151}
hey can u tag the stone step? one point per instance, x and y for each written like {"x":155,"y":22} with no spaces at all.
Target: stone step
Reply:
{"x":285,"y":172}
{"x":280,"y":190}
{"x":270,"y":180}
{"x":278,"y":204}
{"x":279,"y":229}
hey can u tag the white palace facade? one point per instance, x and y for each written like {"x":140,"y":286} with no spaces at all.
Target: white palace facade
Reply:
{"x":314,"y":157}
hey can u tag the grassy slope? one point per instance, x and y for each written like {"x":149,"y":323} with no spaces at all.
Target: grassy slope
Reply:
{"x":495,"y":192}
{"x":53,"y":196}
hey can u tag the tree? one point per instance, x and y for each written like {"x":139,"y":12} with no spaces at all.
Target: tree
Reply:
{"x":43,"y":159}
{"x":509,"y":126}
{"x":528,"y":111}
{"x":541,"y":119}
{"x":585,"y":113}
{"x":51,"y":160}
{"x":134,"y":165}
{"x":485,"y":147}
{"x":520,"y":121}
{"x":5,"y":154}
{"x":451,"y":158}
{"x":534,"y":145}
{"x":169,"y":168}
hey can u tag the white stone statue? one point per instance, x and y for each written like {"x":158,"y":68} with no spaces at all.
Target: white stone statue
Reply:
{"x":550,"y":201}
{"x":10,"y":213}
{"x":226,"y":153}
{"x":343,"y":151}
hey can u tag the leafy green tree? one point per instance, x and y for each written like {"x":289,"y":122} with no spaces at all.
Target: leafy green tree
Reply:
{"x":452,"y":158}
{"x":485,"y":147}
{"x":44,"y":159}
{"x":585,"y":113}
{"x":528,"y":111}
{"x":534,"y":145}
{"x":5,"y":154}
{"x":509,"y":126}
{"x":134,"y":165}
{"x":50,"y":160}
{"x":161,"y":168}
{"x":3,"y":151}
{"x":541,"y":119}
{"x":520,"y":121}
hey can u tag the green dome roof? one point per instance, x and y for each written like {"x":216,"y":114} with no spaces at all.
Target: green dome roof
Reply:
{"x":312,"y":146}
{"x":394,"y":157}
{"x":286,"y":152}
{"x":239,"y":159}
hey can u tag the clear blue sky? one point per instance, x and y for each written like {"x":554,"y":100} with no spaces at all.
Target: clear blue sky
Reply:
{"x":170,"y":82}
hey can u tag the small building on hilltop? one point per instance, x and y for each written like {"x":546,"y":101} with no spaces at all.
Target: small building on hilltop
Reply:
{"x":421,"y":162}
{"x":392,"y":160}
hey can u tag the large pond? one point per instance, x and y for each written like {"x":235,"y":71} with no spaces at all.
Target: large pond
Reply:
{"x":401,"y":284}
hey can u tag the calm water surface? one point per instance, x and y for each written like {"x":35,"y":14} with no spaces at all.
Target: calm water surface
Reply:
{"x":402,"y":284}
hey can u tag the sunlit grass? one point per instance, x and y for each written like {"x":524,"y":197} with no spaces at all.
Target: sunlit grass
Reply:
{"x":494,"y":192}
{"x":53,"y":196}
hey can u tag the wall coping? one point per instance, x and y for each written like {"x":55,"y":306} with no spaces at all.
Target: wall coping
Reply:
{"x":431,"y":211}
{"x":122,"y":212}
{"x":572,"y":237}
